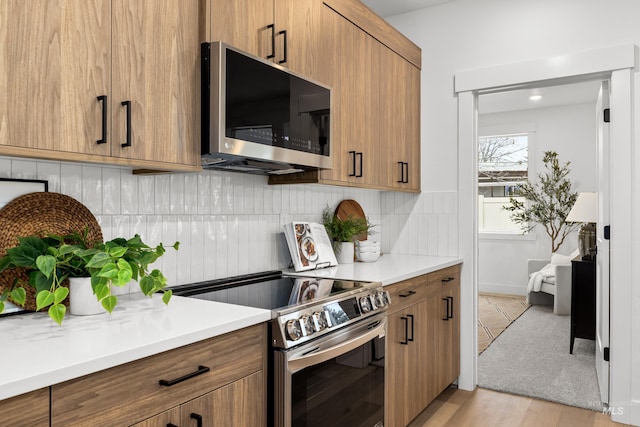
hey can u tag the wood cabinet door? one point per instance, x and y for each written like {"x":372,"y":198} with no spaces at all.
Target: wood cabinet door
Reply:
{"x":29,"y":409}
{"x":156,"y":69}
{"x":397,"y":365}
{"x":240,"y":403}
{"x":399,"y":122}
{"x":242,"y":24}
{"x":55,"y":62}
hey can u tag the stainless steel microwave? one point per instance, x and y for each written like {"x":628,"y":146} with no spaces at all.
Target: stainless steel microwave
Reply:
{"x":259,"y":117}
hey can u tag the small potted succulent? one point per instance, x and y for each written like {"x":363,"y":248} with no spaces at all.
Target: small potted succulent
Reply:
{"x":48,"y":261}
{"x":343,"y":232}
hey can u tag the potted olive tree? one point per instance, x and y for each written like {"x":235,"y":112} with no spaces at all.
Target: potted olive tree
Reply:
{"x":50,"y":260}
{"x":548,"y":201}
{"x":343,"y":232}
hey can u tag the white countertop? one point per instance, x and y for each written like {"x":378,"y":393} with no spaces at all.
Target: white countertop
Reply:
{"x":387,"y":269}
{"x":37,"y":353}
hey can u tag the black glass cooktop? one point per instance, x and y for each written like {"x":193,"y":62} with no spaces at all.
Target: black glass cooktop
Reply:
{"x":271,"y":290}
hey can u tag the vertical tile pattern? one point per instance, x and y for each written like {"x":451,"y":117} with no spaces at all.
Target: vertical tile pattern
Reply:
{"x":229,"y":223}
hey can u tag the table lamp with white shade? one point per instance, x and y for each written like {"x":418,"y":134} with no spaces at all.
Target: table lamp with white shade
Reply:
{"x":585,"y":210}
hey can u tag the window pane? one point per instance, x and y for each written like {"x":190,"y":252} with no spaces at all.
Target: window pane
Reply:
{"x":502,"y":165}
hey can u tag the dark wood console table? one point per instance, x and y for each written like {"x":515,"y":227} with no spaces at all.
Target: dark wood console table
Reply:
{"x":583,"y":300}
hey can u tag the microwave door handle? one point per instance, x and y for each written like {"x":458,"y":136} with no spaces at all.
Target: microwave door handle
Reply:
{"x":299,"y":363}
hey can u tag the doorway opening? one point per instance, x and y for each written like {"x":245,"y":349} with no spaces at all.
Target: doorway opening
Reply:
{"x":514,"y":132}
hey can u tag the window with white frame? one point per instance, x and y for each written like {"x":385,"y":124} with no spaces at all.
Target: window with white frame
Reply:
{"x":502,"y":167}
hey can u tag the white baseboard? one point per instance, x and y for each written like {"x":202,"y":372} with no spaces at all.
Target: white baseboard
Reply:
{"x":500,"y":288}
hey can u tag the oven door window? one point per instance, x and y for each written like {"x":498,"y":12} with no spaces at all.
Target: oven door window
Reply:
{"x":346,"y":391}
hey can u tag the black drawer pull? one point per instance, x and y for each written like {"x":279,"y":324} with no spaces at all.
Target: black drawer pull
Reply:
{"x":171,"y":425}
{"x":411,"y":317}
{"x":284,"y":49}
{"x":408,"y":294}
{"x":201,"y":370}
{"x":401,"y":181}
{"x":405,"y":179}
{"x":450,"y":314}
{"x":103,"y":100}
{"x":360,"y":174}
{"x":448,"y":279}
{"x":273,"y":41}
{"x":406,"y":331}
{"x":353,"y":153}
{"x":197,"y":417}
{"x":446,"y":300}
{"x":127,"y":105}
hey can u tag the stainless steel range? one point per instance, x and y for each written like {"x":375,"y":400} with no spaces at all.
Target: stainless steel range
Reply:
{"x":327,"y":341}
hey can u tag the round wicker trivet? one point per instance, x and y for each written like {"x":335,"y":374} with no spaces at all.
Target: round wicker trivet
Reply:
{"x":37,"y":214}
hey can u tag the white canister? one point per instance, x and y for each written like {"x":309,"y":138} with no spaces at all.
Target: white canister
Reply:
{"x":345,"y":252}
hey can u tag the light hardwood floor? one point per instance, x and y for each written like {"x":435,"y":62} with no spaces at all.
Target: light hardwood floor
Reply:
{"x":480,"y":408}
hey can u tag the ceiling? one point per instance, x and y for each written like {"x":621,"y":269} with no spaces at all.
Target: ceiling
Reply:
{"x":552,"y":96}
{"x":387,"y":8}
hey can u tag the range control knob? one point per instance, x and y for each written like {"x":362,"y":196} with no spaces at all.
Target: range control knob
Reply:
{"x":292,"y":327}
{"x":365,"y":304}
{"x":320,"y":318}
{"x":382,"y":298}
{"x":308,"y":328}
{"x":374,"y":303}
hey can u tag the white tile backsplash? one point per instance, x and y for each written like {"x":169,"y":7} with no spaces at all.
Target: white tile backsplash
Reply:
{"x":229,"y":223}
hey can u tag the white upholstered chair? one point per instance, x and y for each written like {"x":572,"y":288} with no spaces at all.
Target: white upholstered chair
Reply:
{"x":555,"y":286}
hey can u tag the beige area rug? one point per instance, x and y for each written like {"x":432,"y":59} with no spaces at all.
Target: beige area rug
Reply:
{"x":495,"y":314}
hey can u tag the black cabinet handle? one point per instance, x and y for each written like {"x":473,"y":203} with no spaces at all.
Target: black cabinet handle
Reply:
{"x":197,"y":417}
{"x":408,"y":294}
{"x":353,"y":164}
{"x":284,"y":51}
{"x":201,"y":370}
{"x":171,"y":425}
{"x":127,"y":105}
{"x":448,"y":279}
{"x":446,"y":300}
{"x":273,"y":41}
{"x":411,"y":317}
{"x":406,"y":331}
{"x":401,"y":180}
{"x":360,"y":176}
{"x":450,"y":313}
{"x":405,"y":173}
{"x":103,"y":100}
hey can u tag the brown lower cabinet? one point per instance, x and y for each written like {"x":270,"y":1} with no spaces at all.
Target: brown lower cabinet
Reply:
{"x":27,"y":410}
{"x":422,"y":344}
{"x":220,"y":380}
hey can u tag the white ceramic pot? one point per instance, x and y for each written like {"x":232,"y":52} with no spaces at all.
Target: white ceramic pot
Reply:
{"x":82,"y":300}
{"x":345,"y":254}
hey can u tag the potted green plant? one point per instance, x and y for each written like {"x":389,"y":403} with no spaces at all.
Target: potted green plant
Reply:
{"x":50,"y":260}
{"x":549,"y":201}
{"x":343,"y":232}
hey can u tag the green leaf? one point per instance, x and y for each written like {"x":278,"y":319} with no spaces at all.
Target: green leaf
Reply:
{"x":99,"y":260}
{"x":109,"y":303}
{"x":167,"y":296}
{"x":1,"y":306}
{"x":147,"y":285}
{"x":5,"y":262}
{"x":109,"y":271}
{"x":46,"y":264}
{"x":43,"y":299}
{"x":117,"y":252}
{"x":101,"y":291}
{"x":19,"y":296}
{"x":60,"y":294}
{"x":23,"y":256}
{"x":124,"y":277}
{"x":40,"y":281}
{"x":56,"y":312}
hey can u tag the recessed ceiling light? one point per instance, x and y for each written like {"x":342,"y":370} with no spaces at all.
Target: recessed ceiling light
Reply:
{"x":535,"y":97}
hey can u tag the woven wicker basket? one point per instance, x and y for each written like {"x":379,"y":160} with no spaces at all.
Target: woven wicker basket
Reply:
{"x":38,"y":214}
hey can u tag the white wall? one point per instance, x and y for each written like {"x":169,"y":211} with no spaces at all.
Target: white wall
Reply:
{"x":571,"y":132}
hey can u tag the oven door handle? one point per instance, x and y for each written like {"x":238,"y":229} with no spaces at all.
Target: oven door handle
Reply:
{"x":299,"y":363}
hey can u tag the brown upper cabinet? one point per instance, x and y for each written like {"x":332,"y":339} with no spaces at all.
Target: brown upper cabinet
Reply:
{"x":111,"y":81}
